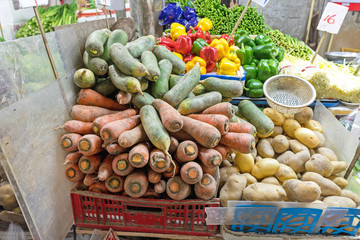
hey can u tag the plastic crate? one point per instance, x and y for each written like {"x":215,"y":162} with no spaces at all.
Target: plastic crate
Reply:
{"x":104,"y":211}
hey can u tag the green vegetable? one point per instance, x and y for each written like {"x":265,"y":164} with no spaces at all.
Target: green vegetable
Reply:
{"x":84,"y":78}
{"x":139,"y":100}
{"x":254,"y":62}
{"x":251,"y":72}
{"x":116,"y":36}
{"x":198,"y":45}
{"x":2,"y":39}
{"x":199,"y":103}
{"x":266,"y":51}
{"x":105,"y":87}
{"x":161,"y":52}
{"x":281,"y":54}
{"x":198,"y":90}
{"x":140,"y":45}
{"x":174,"y":79}
{"x":254,"y":88}
{"x":150,"y":62}
{"x":267,"y":68}
{"x":227,"y":88}
{"x":243,"y":40}
{"x":161,"y":86}
{"x":97,"y":65}
{"x":123,"y":82}
{"x":262,"y":39}
{"x":245,"y":54}
{"x":95,"y":42}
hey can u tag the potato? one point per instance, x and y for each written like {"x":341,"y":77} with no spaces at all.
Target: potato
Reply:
{"x":338,"y":201}
{"x":328,"y":187}
{"x":319,"y":164}
{"x":271,"y":180}
{"x":265,"y":168}
{"x":284,"y":157}
{"x":321,"y":139}
{"x":226,"y":163}
{"x":280,"y":144}
{"x":250,"y":179}
{"x":298,"y":175}
{"x":233,"y":188}
{"x":277,"y":118}
{"x":313,"y":125}
{"x":301,"y":191}
{"x":297,"y":162}
{"x":339,"y":166}
{"x":225,"y":173}
{"x":254,"y":152}
{"x":340,"y":181}
{"x":327,"y":152}
{"x":265,"y":149}
{"x":312,"y":151}
{"x":264,"y":192}
{"x":290,"y":126}
{"x":307,"y":137}
{"x":284,"y":173}
{"x":289,"y":115}
{"x":304,"y":115}
{"x":269,"y":139}
{"x":7,"y":196}
{"x":350,"y":194}
{"x":297,"y":146}
{"x":258,"y":158}
{"x":278,"y":130}
{"x":245,"y":162}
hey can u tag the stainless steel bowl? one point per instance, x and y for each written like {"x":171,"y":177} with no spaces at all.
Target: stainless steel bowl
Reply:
{"x":340,"y":57}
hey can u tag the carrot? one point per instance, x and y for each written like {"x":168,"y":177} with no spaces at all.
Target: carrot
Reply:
{"x":90,"y":97}
{"x":73,"y":173}
{"x":105,"y":169}
{"x":150,"y":193}
{"x":182,"y":135}
{"x":72,"y":158}
{"x":170,"y":117}
{"x":111,"y":131}
{"x":89,"y":164}
{"x":224,"y":151}
{"x":98,"y":187}
{"x":208,"y":170}
{"x":123,"y":97}
{"x":187,"y":151}
{"x":177,"y":189}
{"x":99,"y":122}
{"x":115,"y":183}
{"x":114,"y":149}
{"x":159,"y":162}
{"x":132,"y":137}
{"x":203,"y":133}
{"x":121,"y":165}
{"x":160,"y":187}
{"x":217,"y":120}
{"x":170,"y":171}
{"x":223,"y":108}
{"x":153,"y":177}
{"x":90,"y":144}
{"x":139,"y":155}
{"x":69,"y":142}
{"x":136,"y":184}
{"x":205,"y":189}
{"x":191,"y":172}
{"x":174,"y":143}
{"x":75,"y":126}
{"x":241,"y":142}
{"x":242,"y":127}
{"x":80,"y":186}
{"x":89,"y":179}
{"x":210,"y":157}
{"x":88,"y":113}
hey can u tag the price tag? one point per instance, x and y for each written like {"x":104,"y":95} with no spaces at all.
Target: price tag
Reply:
{"x":105,"y":2}
{"x":261,"y":2}
{"x":332,"y":18}
{"x":18,"y":4}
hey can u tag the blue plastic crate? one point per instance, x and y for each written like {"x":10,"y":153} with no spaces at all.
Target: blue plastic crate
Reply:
{"x":342,"y":224}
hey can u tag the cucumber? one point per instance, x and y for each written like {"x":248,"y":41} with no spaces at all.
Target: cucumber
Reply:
{"x":84,"y":78}
{"x":95,"y":42}
{"x":199,"y":103}
{"x":199,"y":89}
{"x":140,"y":45}
{"x":162,"y":52}
{"x":105,"y":87}
{"x":227,"y":88}
{"x":139,"y":100}
{"x":125,"y":62}
{"x":185,"y":85}
{"x":124,"y":83}
{"x":256,"y":117}
{"x":174,"y":79}
{"x":161,"y":86}
{"x":97,"y":65}
{"x":150,"y":62}
{"x":117,"y":36}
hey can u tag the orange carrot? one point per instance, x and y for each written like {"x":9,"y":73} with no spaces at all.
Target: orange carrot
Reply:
{"x":131,"y":137}
{"x":72,"y":158}
{"x":111,"y":131}
{"x":186,"y":152}
{"x":224,"y":151}
{"x":115,"y":183}
{"x":121,"y":165}
{"x":208,"y":170}
{"x":159,"y":162}
{"x":80,"y":186}
{"x":242,"y":127}
{"x":89,"y":179}
{"x":75,"y":126}
{"x":105,"y":169}
{"x":88,"y":113}
{"x":136,"y":184}
{"x":170,"y":117}
{"x":153,"y":177}
{"x":114,"y":149}
{"x":210,"y":157}
{"x":89,"y":164}
{"x":150,"y":193}
{"x":241,"y":142}
{"x":191,"y":172}
{"x":177,"y":189}
{"x":123,"y":97}
{"x":206,"y":187}
{"x":170,"y":171}
{"x":217,"y":120}
{"x":223,"y":108}
{"x":160,"y":187}
{"x":69,"y":142}
{"x":139,"y":155}
{"x":182,"y":135}
{"x":103,"y":120}
{"x":98,"y":187}
{"x":73,"y":173}
{"x":90,"y":97}
{"x":205,"y":134}
{"x":174,"y":143}
{"x":90,"y":144}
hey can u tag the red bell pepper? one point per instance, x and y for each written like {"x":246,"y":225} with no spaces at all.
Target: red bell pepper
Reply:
{"x":167,"y":42}
{"x":183,"y":44}
{"x":225,"y":36}
{"x":207,"y":37}
{"x":188,"y":57}
{"x":195,"y":33}
{"x":210,"y":55}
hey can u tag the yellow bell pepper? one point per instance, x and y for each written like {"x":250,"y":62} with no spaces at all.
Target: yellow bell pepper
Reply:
{"x":191,"y":64}
{"x":178,"y":55}
{"x":205,"y":24}
{"x":222,"y":46}
{"x":234,"y":58}
{"x":233,"y":49}
{"x":176,"y":30}
{"x":227,"y":67}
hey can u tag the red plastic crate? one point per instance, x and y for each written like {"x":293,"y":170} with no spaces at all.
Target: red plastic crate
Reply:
{"x":102,"y":211}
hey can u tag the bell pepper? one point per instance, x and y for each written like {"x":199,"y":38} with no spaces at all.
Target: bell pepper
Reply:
{"x":254,"y":88}
{"x":233,"y":49}
{"x":210,"y":55}
{"x":245,"y":54}
{"x":244,"y":39}
{"x":281,"y":54}
{"x":233,"y":57}
{"x":262,"y":39}
{"x":198,"y":45}
{"x":167,"y":42}
{"x":254,"y":62}
{"x":191,"y":64}
{"x":267,"y":69}
{"x":266,"y":51}
{"x":226,"y":37}
{"x":178,"y":55}
{"x":207,"y":37}
{"x":205,"y":24}
{"x":239,"y":33}
{"x":176,"y":30}
{"x":227,"y":67}
{"x":195,"y":33}
{"x":183,"y":44}
{"x":188,"y":57}
{"x":221,"y":45}
{"x":251,"y":72}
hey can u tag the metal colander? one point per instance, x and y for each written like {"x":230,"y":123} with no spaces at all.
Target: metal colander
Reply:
{"x":288,"y":94}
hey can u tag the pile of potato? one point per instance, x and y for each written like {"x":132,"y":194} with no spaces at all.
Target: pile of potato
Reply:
{"x":290,"y":165}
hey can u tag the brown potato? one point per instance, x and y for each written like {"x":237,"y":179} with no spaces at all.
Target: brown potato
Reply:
{"x":307,"y":137}
{"x":327,"y":152}
{"x":340,"y":181}
{"x":339,"y":166}
{"x":271,"y":180}
{"x":351,"y":195}
{"x":338,"y":201}
{"x":313,"y":125}
{"x":277,"y":118}
{"x":233,"y":189}
{"x":264,"y":192}
{"x":250,"y":179}
{"x":301,"y":191}
{"x":265,"y":168}
{"x":284,"y":173}
{"x":321,"y":139}
{"x":328,"y":187}
{"x":297,"y":146}
{"x":226,"y":172}
{"x":280,"y":144}
{"x":319,"y":164}
{"x":304,"y":115}
{"x":284,"y":157}
{"x":289,"y":115}
{"x":278,"y":130}
{"x":297,"y":162}
{"x":265,"y":149}
{"x":290,"y":126}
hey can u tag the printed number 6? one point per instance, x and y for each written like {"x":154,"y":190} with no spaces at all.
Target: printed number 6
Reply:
{"x":330,"y":19}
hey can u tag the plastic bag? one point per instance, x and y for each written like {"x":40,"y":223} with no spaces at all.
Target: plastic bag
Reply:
{"x":352,"y":121}
{"x":170,"y":14}
{"x":14,"y":232}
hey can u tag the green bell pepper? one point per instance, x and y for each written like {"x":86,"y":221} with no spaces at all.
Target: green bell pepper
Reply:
{"x":266,"y":51}
{"x":255,"y":93}
{"x":281,"y":54}
{"x":262,"y":39}
{"x":198,"y":44}
{"x":244,"y":39}
{"x":267,"y":69}
{"x":254,"y":88}
{"x":245,"y":54}
{"x":239,"y":33}
{"x":251,"y":72}
{"x":254,"y":62}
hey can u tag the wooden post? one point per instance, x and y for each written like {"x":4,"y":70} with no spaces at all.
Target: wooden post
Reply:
{"x":106,"y":18}
{"x":309,"y":21}
{"x":352,"y":164}
{"x":330,"y":42}
{"x":2,"y":34}
{"x":318,"y":47}
{"x":238,"y":21}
